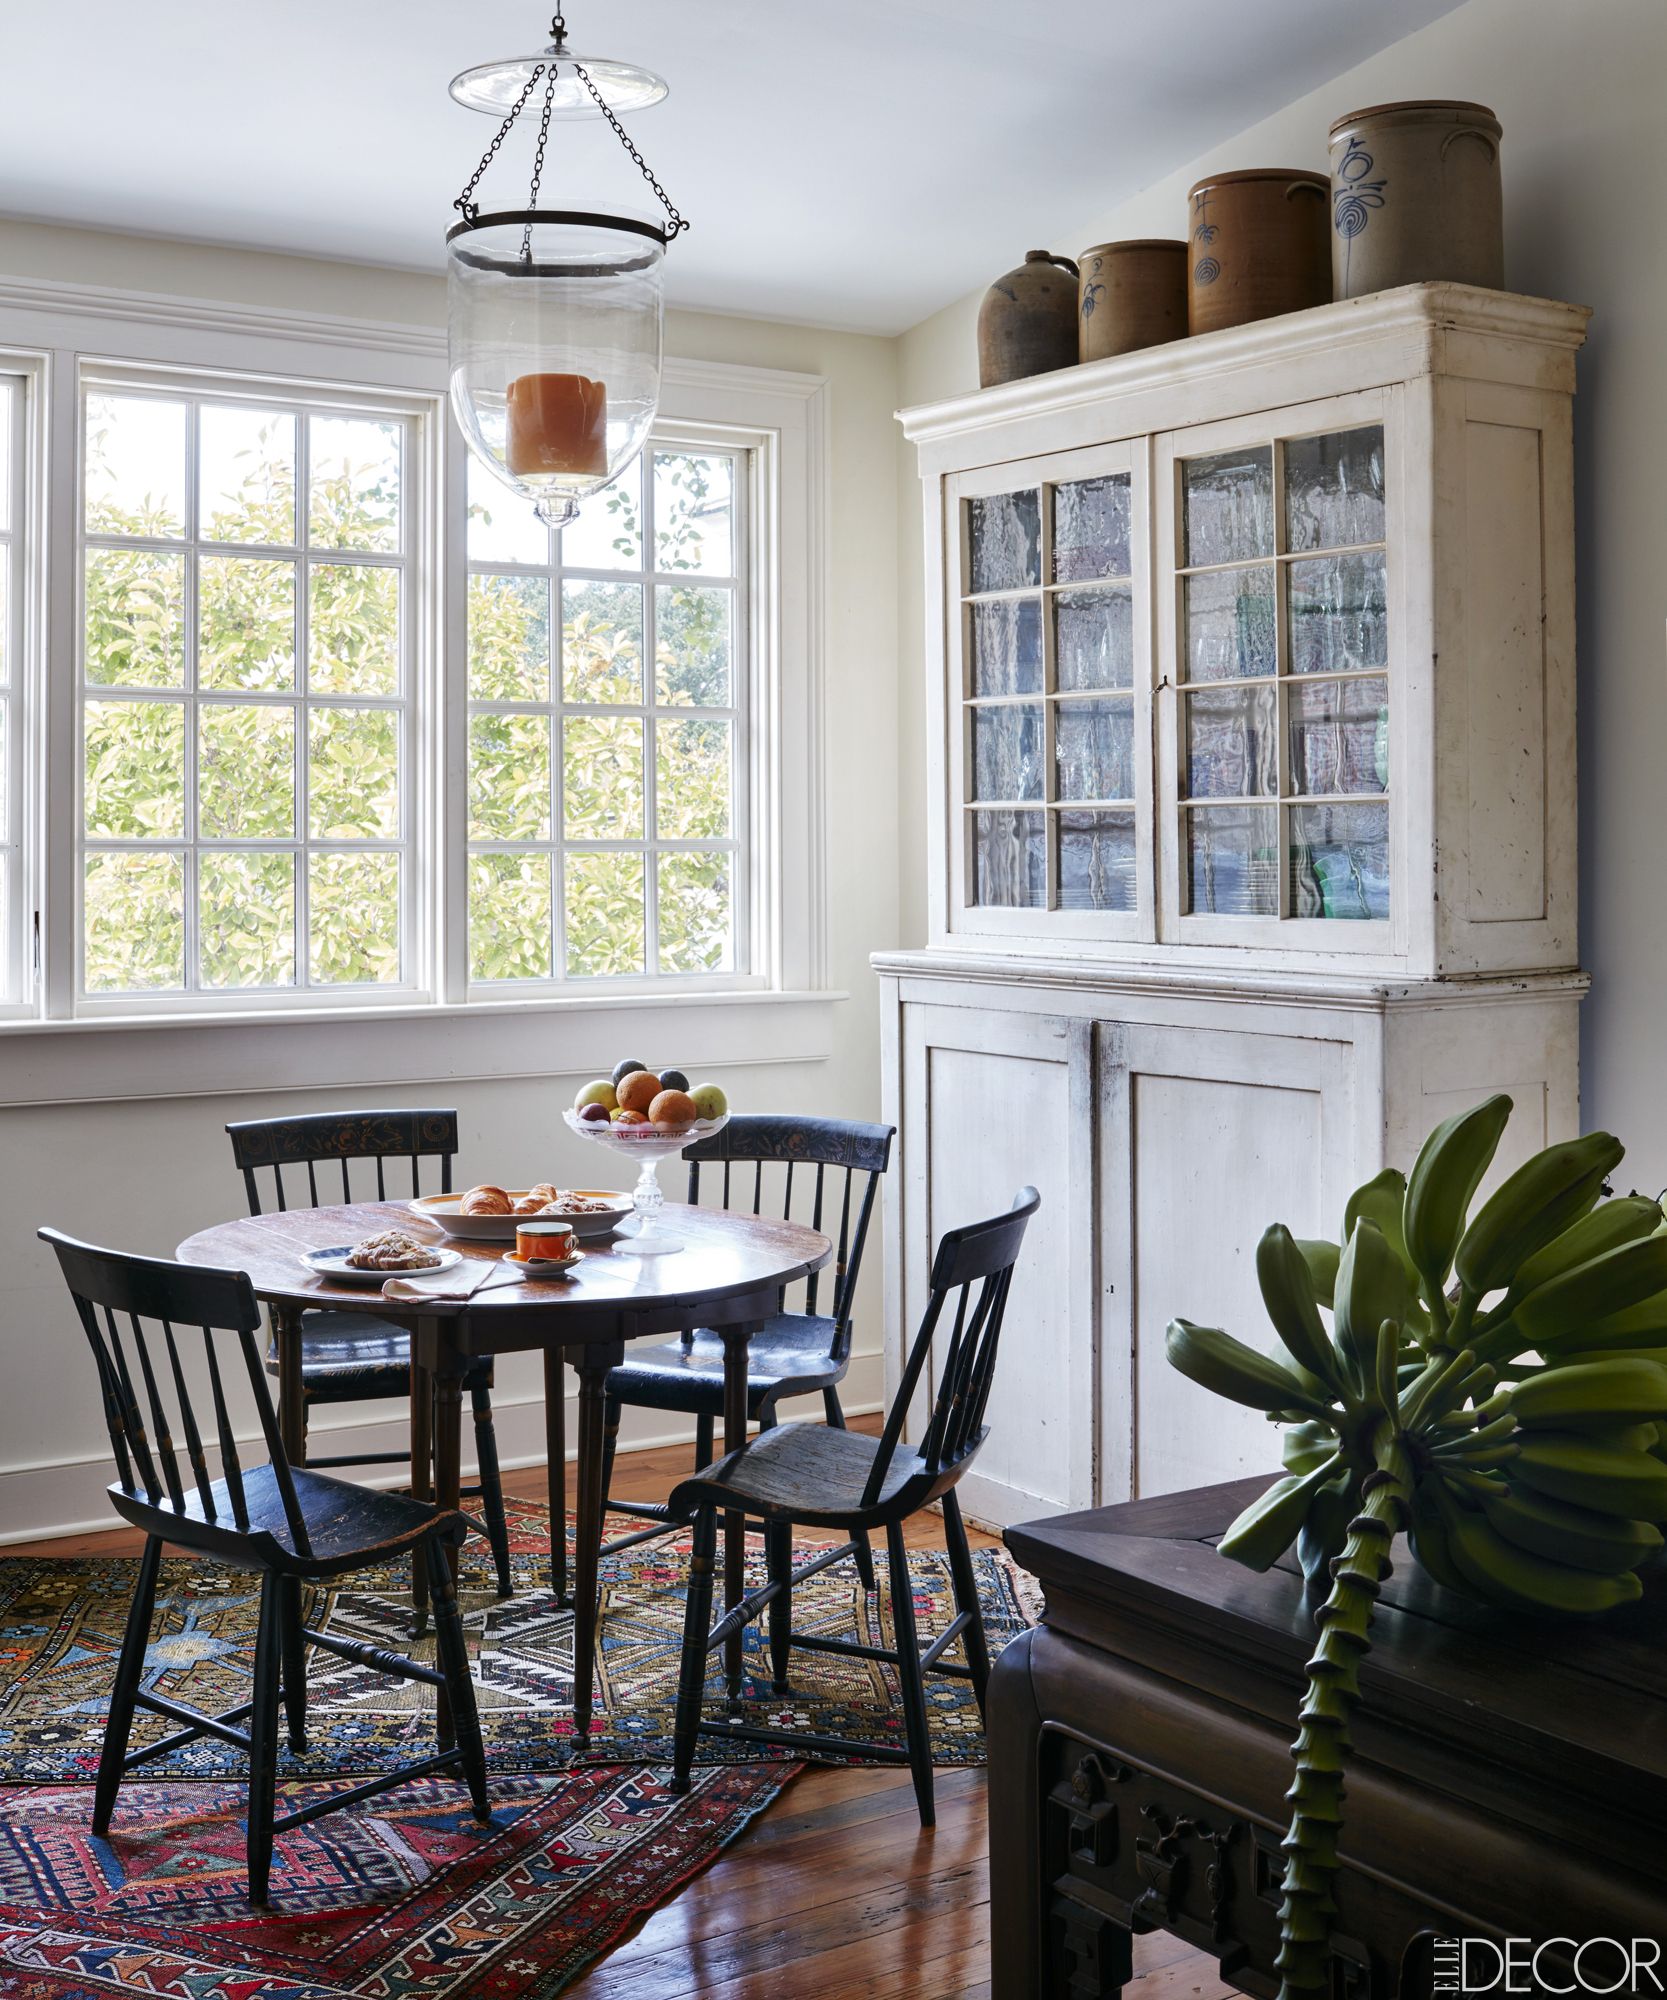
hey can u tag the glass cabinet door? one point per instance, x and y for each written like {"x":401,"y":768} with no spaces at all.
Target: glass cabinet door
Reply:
{"x":1281,"y":740}
{"x":1050,"y":774}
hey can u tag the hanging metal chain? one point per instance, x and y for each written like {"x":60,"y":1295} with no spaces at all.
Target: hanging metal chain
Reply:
{"x":538,"y":157}
{"x":464,"y":206}
{"x":678,"y":223}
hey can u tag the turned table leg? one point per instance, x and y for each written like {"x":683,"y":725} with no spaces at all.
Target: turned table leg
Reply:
{"x":292,"y":1398}
{"x":735,"y":1339}
{"x":591,"y":1364}
{"x":555,"y":1454}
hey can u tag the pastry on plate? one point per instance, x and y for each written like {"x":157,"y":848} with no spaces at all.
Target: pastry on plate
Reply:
{"x":392,"y":1250}
{"x":485,"y":1200}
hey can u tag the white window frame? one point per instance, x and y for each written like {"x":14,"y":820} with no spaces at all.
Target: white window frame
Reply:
{"x":54,"y":330}
{"x":412,"y":701}
{"x":21,"y":376}
{"x":743,"y":712}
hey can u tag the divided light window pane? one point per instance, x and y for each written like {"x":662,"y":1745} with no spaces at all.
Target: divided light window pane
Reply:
{"x":245,"y":725}
{"x":13,"y":975}
{"x":606,"y":728}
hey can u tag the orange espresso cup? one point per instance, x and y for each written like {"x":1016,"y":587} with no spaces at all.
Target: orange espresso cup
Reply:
{"x":544,"y":1242}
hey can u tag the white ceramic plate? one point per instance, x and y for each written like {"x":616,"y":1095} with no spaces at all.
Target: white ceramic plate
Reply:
{"x":332,"y":1263}
{"x":544,"y":1267}
{"x":442,"y":1211}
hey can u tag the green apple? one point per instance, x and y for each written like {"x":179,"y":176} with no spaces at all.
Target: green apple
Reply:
{"x":600,"y":1092}
{"x":710,"y":1101}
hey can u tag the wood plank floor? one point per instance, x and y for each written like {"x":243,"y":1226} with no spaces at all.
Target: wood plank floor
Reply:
{"x":835,"y":1893}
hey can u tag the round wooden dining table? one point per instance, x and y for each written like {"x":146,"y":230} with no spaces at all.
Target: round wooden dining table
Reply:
{"x":729,"y":1276}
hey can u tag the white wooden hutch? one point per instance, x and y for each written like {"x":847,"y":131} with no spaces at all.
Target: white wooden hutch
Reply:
{"x":1251,"y":769}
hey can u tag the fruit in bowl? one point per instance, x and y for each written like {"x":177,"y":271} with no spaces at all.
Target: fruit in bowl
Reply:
{"x":595,"y":1112}
{"x":634,"y":1096}
{"x":638,"y":1090}
{"x":672,"y":1107}
{"x":601,"y":1092}
{"x":709,"y":1101}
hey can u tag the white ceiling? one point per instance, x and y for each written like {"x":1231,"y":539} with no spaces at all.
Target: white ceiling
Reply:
{"x":855,"y":163}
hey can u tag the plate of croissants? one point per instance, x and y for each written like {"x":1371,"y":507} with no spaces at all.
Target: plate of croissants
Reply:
{"x":489,"y":1213}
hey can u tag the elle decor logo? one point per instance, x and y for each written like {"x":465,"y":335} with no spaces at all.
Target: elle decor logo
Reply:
{"x":1626,"y":1968}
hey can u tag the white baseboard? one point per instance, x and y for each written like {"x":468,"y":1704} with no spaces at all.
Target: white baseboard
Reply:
{"x":66,"y":1496}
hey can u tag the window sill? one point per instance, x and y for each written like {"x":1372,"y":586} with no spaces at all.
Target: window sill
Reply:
{"x":424,"y":1047}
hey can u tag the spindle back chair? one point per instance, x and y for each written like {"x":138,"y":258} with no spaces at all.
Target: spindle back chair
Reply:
{"x":165,"y":1338}
{"x":801,"y":1474}
{"x":350,"y":1357}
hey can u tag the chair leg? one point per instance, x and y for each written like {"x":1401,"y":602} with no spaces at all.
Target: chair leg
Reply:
{"x":612,"y":1410}
{"x":973,"y":1641}
{"x":908,"y":1672}
{"x":453,"y":1652}
{"x":703,"y":1441}
{"x":491,"y":1486}
{"x":865,"y":1553}
{"x":778,"y":1555}
{"x":697,"y":1627}
{"x":295,"y":1662}
{"x":263,"y":1736}
{"x":130,"y":1670}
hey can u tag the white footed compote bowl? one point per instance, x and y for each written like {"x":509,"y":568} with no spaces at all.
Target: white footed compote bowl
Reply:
{"x":645,"y":1235}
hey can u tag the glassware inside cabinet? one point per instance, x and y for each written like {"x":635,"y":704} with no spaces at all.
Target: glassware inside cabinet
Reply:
{"x":1232,"y":628}
{"x":1091,"y":520}
{"x":1232,"y":743}
{"x":1007,"y":751}
{"x":1334,"y":489}
{"x":1096,"y":861}
{"x":1339,"y":618}
{"x":1094,"y":749}
{"x":1009,"y":860}
{"x":1340,"y":861}
{"x":1339,"y":737}
{"x":1094,"y":637}
{"x":1232,"y":860}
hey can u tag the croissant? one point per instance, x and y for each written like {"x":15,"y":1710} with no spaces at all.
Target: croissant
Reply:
{"x":529,"y":1204}
{"x":485,"y":1200}
{"x":543,"y":1191}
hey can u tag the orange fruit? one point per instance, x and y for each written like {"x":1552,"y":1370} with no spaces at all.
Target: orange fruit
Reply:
{"x":672,"y":1107}
{"x":638,"y":1090}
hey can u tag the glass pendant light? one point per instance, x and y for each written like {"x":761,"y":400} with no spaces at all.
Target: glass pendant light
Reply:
{"x":555,"y":315}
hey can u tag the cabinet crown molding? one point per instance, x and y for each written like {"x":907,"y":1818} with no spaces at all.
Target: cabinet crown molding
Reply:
{"x":1420,"y":314}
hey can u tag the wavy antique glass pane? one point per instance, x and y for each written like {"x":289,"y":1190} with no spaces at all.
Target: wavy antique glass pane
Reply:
{"x":353,"y":774}
{"x":1339,"y":736}
{"x":1340,"y":861}
{"x":1004,"y":532}
{"x":1009,"y":860}
{"x":1232,"y":628}
{"x":604,"y":914}
{"x":509,"y":638}
{"x":695,"y":914}
{"x":1091,"y":528}
{"x":693,"y":513}
{"x":1094,"y":637}
{"x":510,"y":916}
{"x":602,"y":777}
{"x":693,"y":623}
{"x":353,"y":919}
{"x":1232,"y":860}
{"x":133,"y":922}
{"x":608,"y":532}
{"x":1007,"y":751}
{"x":135,"y":769}
{"x":245,"y":624}
{"x":1232,"y":743}
{"x":245,"y":477}
{"x":246,"y":919}
{"x":502,"y":525}
{"x":1094,"y":749}
{"x":134,"y":477}
{"x":353,"y":629}
{"x":1007,"y":646}
{"x":1338,"y":613}
{"x":1228,"y":500}
{"x":135,"y":609}
{"x":509,"y":776}
{"x":601,"y":642}
{"x":354,"y":502}
{"x":1096,"y":861}
{"x":245,"y":771}
{"x":1334,"y":489}
{"x":691,"y":780}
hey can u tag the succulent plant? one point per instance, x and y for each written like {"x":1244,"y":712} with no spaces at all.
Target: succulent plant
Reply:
{"x":1493,"y":1384}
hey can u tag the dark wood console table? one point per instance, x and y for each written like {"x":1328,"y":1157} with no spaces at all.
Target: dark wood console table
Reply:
{"x":1509,"y":1776}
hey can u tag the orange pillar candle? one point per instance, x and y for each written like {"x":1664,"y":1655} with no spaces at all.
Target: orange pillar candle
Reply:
{"x":558,"y":423}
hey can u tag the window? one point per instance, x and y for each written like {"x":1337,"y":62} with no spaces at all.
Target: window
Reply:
{"x":246,"y":756}
{"x":1285,"y":723}
{"x":607,"y":698}
{"x":14,"y":899}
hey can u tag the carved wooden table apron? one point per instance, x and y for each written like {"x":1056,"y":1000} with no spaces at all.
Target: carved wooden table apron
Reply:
{"x":1508,"y":1777}
{"x":729,"y":1277}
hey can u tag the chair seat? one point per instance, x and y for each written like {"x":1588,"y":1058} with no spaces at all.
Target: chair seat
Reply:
{"x":789,"y":1356}
{"x":809,"y":1474}
{"x":348,"y":1357}
{"x":350,"y":1527}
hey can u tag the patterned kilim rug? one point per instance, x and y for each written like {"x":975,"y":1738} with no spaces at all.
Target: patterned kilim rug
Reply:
{"x":61,"y":1623}
{"x":402,"y":1899}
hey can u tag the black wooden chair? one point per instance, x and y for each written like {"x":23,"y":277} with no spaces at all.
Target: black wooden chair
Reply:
{"x":349,"y":1357}
{"x":290,"y":1525}
{"x":801,"y":1353}
{"x":824,"y":1478}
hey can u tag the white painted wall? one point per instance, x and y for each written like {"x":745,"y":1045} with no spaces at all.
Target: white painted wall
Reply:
{"x":144,"y":1174}
{"x":1578,"y":88}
